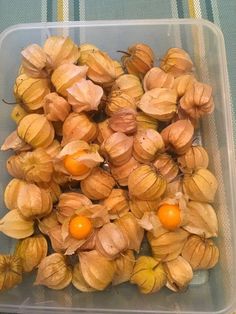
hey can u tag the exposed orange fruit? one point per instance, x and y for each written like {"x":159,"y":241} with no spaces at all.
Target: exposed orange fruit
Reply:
{"x":169,"y":216}
{"x":80,"y":227}
{"x":73,"y":166}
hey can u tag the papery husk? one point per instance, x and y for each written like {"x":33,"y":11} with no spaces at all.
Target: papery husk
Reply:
{"x":159,"y":103}
{"x":124,"y":267}
{"x":56,"y":240}
{"x":14,"y":142}
{"x":166,"y":166}
{"x":111,"y":240}
{"x":201,"y":219}
{"x":53,"y":149}
{"x":118,"y":69}
{"x":78,"y":280}
{"x":96,"y":270}
{"x":157,"y":78}
{"x":174,"y":187}
{"x":101,"y":68}
{"x":139,"y":207}
{"x":64,"y":180}
{"x":117,"y":203}
{"x":65,"y":75}
{"x":35,"y":62}
{"x":17,"y":113}
{"x":147,"y":143}
{"x":182,"y":115}
{"x":90,"y":159}
{"x":138,"y":60}
{"x":98,"y":185}
{"x":36,"y":130}
{"x":47,"y":223}
{"x":118,"y":148}
{"x":53,"y":272}
{"x":14,"y":165}
{"x":78,"y":126}
{"x":33,"y":202}
{"x":90,"y":243}
{"x":15,"y":226}
{"x":124,"y":121}
{"x":179,"y":274}
{"x":129,"y":225}
{"x":68,"y":203}
{"x":130,"y":85}
{"x":118,"y":100}
{"x":62,"y":241}
{"x":104,"y":131}
{"x":167,"y":245}
{"x":10,"y":271}
{"x":182,"y":83}
{"x":150,"y":222}
{"x":197,"y":100}
{"x":145,"y":184}
{"x":200,"y":253}
{"x":97,"y":213}
{"x":178,"y":136}
{"x":52,"y":188}
{"x":148,"y":274}
{"x":31,"y":91}
{"x":31,"y":251}
{"x":195,"y":157}
{"x":146,"y":122}
{"x":200,"y":186}
{"x":121,"y":173}
{"x":85,"y":50}
{"x":176,"y":61}
{"x":35,"y":166}
{"x":84,"y":96}
{"x":61,"y":50}
{"x":55,"y":107}
{"x":11,"y":192}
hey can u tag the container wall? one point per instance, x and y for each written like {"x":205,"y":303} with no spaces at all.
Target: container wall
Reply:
{"x":204,"y":44}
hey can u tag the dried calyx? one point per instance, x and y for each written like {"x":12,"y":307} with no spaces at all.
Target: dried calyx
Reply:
{"x":148,"y":274}
{"x":10,"y":271}
{"x":138,"y":60}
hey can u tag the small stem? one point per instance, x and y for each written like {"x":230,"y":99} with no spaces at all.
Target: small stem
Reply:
{"x":9,"y":103}
{"x":124,"y":52}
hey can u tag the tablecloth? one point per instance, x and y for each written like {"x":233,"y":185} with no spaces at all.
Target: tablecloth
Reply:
{"x":220,"y":12}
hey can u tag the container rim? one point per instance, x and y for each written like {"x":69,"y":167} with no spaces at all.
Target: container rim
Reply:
{"x":92,"y":23}
{"x":230,"y":142}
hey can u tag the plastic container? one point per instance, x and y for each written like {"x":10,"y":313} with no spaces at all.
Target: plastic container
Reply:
{"x":205,"y":43}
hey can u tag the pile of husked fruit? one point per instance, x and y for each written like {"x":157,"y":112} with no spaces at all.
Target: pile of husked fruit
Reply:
{"x":103,"y":157}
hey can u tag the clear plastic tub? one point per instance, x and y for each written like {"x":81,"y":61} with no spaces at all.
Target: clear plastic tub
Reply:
{"x":205,"y":43}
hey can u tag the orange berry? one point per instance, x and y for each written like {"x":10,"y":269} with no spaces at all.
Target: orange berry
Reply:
{"x":73,"y":166}
{"x":80,"y":227}
{"x":169,"y":216}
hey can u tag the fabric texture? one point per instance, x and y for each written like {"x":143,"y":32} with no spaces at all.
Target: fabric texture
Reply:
{"x":220,"y":12}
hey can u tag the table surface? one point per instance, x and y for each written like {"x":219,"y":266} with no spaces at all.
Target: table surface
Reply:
{"x":220,"y":12}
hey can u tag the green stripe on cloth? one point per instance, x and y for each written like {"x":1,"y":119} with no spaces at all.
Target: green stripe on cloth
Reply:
{"x":76,"y":10}
{"x":209,"y":11}
{"x":49,"y":11}
{"x":180,"y":8}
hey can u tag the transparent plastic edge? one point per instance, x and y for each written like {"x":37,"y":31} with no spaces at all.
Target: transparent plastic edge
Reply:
{"x":230,"y":142}
{"x":12,"y":28}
